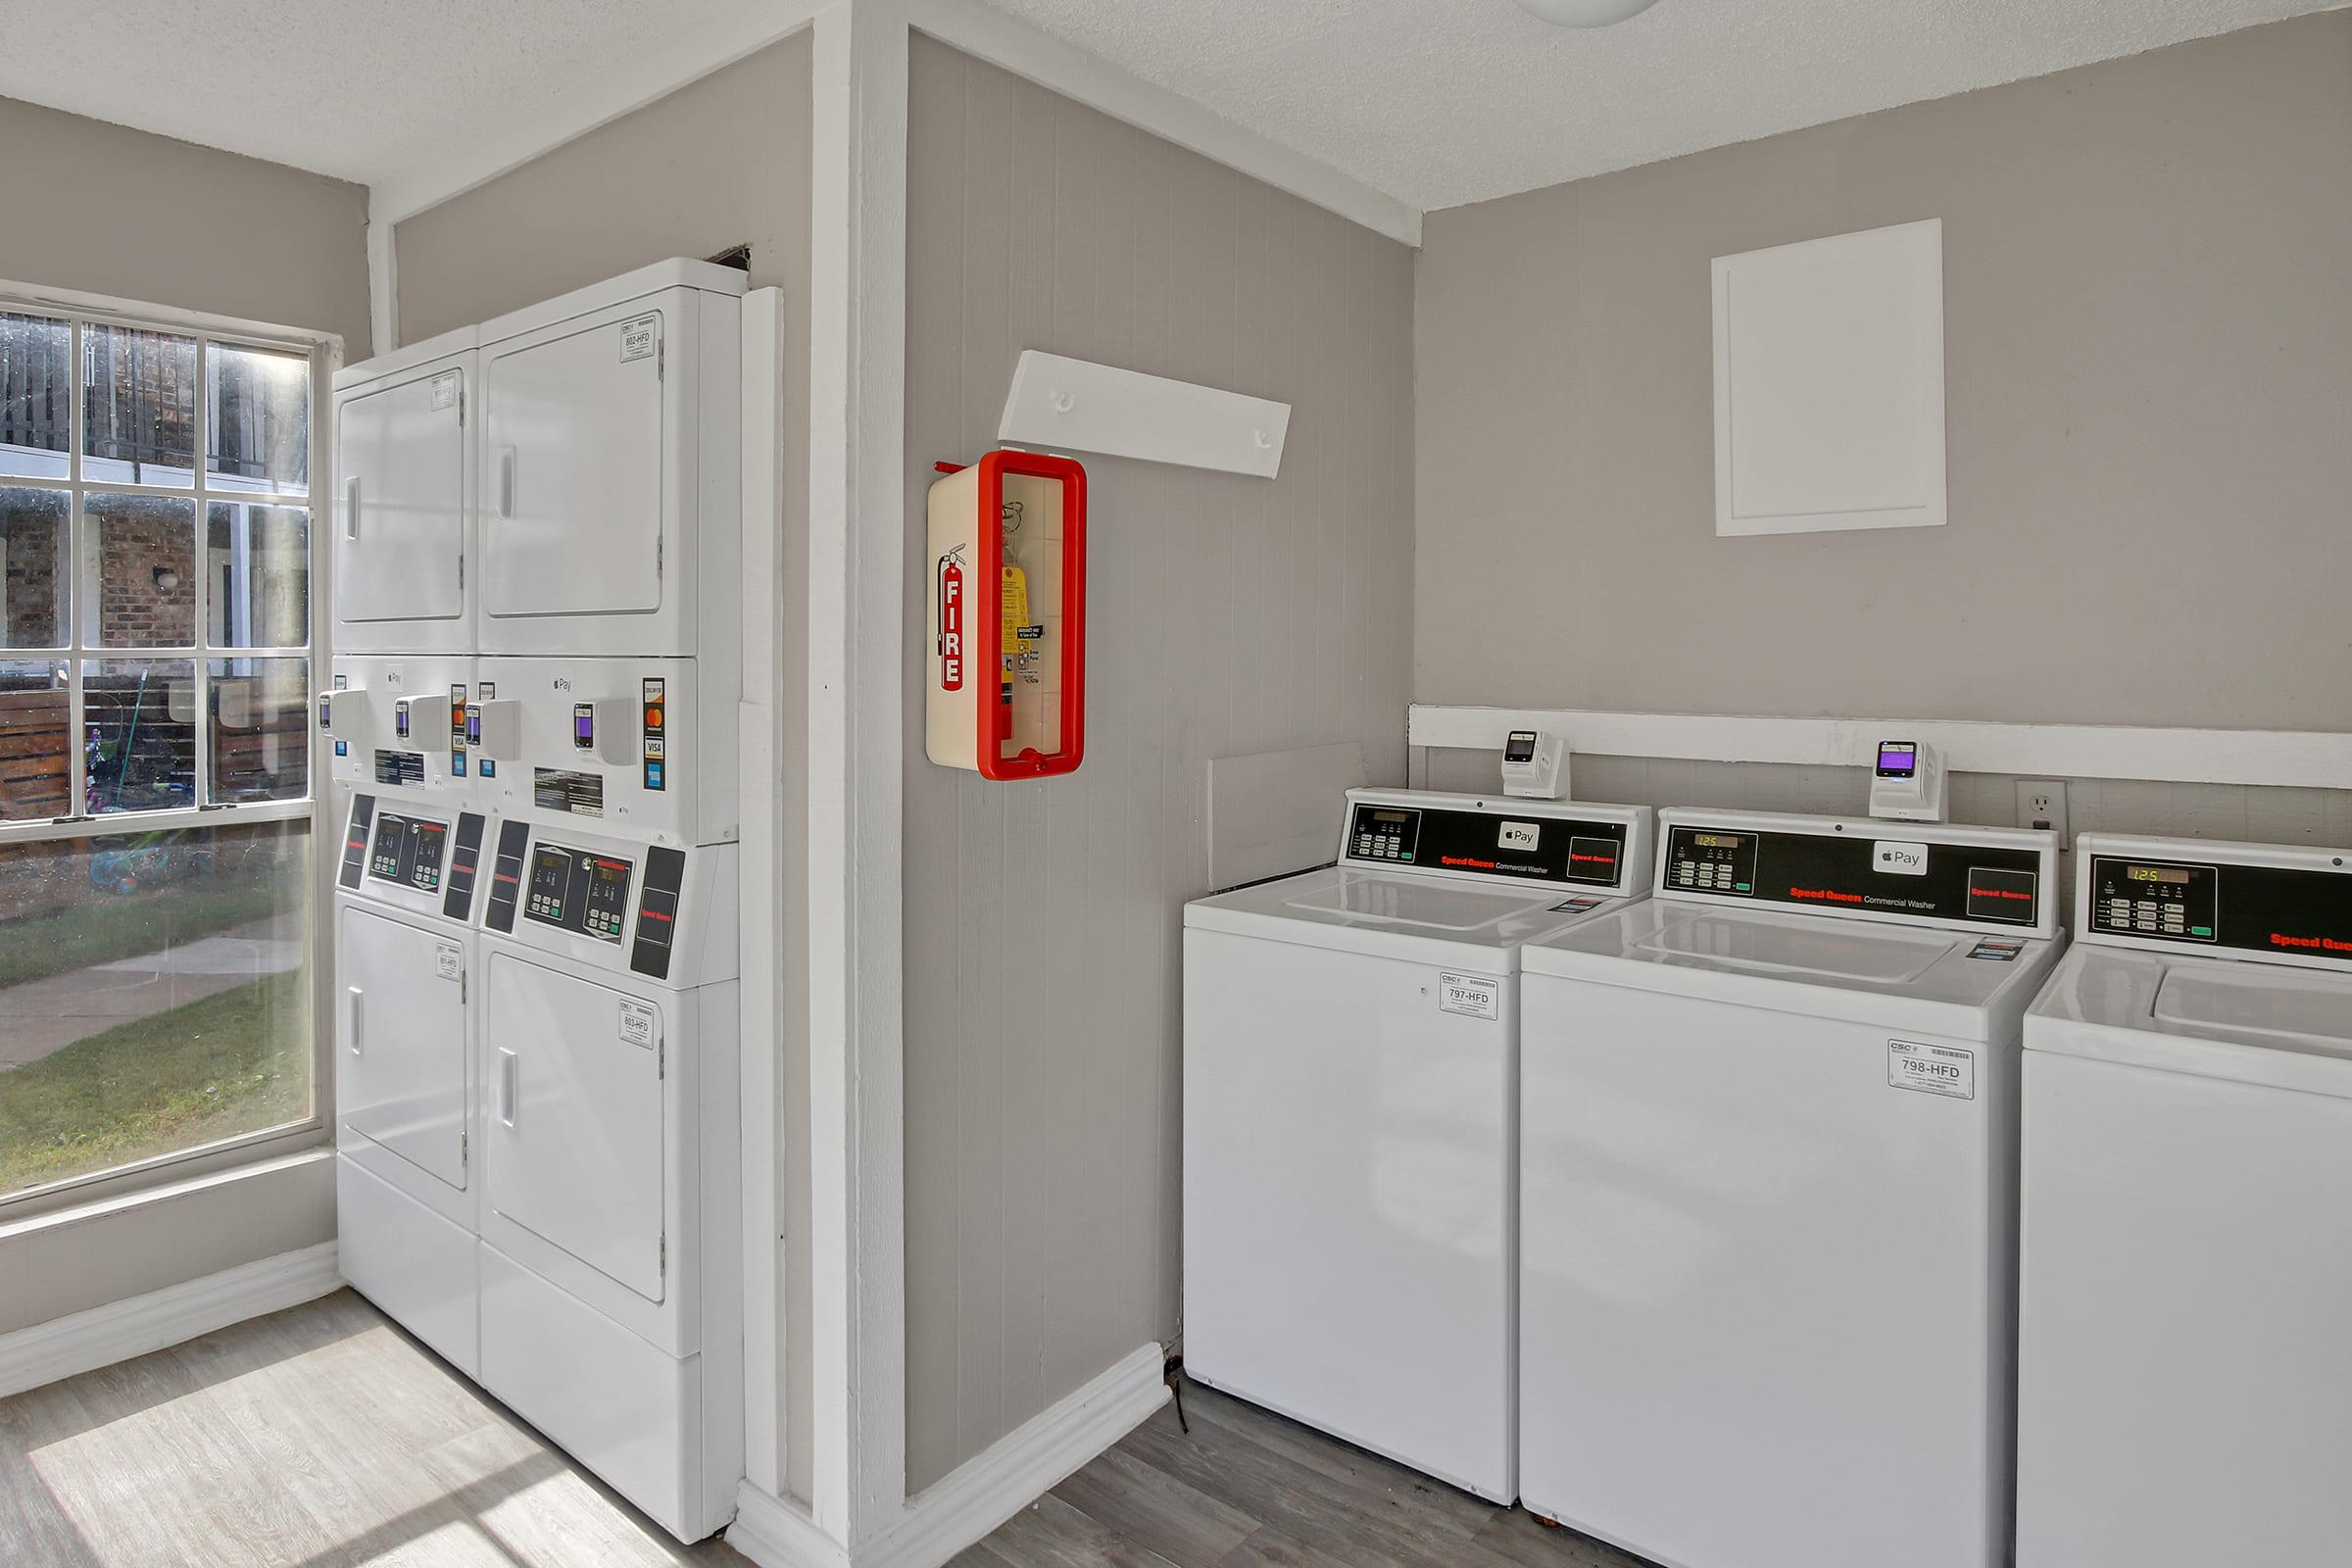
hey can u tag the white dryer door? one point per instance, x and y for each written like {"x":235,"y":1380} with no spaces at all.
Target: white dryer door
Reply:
{"x":575,"y":1117}
{"x":403,"y":457}
{"x":399,"y":1040}
{"x":572,"y":521}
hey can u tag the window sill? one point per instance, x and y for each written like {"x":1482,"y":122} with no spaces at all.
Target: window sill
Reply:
{"x":311,"y":1145}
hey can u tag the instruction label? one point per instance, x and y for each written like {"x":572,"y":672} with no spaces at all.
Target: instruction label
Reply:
{"x":637,"y":1024}
{"x":446,"y":960}
{"x":445,"y":389}
{"x":637,"y":338}
{"x":1932,"y":1069}
{"x":1473,"y":996}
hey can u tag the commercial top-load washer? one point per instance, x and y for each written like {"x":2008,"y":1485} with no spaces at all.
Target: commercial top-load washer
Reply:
{"x":1350,"y":1083}
{"x":1769,"y":1123}
{"x":2184,"y":1380}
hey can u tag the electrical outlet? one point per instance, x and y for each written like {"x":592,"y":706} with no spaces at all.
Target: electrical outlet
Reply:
{"x":2042,"y":802}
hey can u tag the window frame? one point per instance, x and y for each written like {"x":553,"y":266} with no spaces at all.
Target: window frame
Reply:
{"x":324,"y":353}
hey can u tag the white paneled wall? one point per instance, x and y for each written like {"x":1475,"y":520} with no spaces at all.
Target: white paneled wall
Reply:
{"x":1229,"y":616}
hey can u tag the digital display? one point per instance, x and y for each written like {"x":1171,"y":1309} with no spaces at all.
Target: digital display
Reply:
{"x":549,"y":894}
{"x":1521,"y":747}
{"x":1898,"y":759}
{"x":583,"y":727}
{"x":2176,"y":874}
{"x":324,"y":721}
{"x":576,"y":889}
{"x":1718,"y":841}
{"x":1392,"y":816}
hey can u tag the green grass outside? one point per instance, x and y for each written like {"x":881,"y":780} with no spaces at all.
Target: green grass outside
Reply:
{"x":108,"y":927}
{"x":234,"y":1062}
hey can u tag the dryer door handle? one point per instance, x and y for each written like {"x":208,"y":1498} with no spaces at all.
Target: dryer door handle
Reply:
{"x":358,"y":1018}
{"x":506,"y":1086}
{"x":505,"y":481}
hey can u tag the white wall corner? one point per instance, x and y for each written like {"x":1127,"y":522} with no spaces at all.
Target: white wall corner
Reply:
{"x":1023,"y":1466}
{"x":120,"y":1330}
{"x":856,"y":575}
{"x":989,"y":34}
{"x":777,"y":1533}
{"x":383,"y":282}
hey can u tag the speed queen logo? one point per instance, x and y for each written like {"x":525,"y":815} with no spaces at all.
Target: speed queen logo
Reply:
{"x":950,"y":626}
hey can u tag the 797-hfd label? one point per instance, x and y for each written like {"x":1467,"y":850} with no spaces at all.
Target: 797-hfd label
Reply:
{"x":1932,"y":1069}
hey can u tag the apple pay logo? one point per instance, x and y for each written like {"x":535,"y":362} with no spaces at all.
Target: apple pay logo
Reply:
{"x":1900,"y":859}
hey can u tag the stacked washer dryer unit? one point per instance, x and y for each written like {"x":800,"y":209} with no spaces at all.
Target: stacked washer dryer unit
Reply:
{"x":1350,"y":1087}
{"x":606,"y":713}
{"x":541,"y":533}
{"x":1768,"y":1207}
{"x":408,"y":895}
{"x":2185,"y":1377}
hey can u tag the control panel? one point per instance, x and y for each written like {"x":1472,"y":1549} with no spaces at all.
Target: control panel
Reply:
{"x":1711,"y":860}
{"x":661,"y":912}
{"x":1933,"y":874}
{"x":578,"y":890}
{"x":399,"y":722}
{"x":2289,"y":906}
{"x":1591,"y":846}
{"x":411,"y":859}
{"x":2153,"y":898}
{"x":409,"y":851}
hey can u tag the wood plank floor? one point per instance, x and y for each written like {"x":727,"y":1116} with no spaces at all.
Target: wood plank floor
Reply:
{"x":1250,"y":1489}
{"x":316,"y":1438}
{"x":326,"y":1438}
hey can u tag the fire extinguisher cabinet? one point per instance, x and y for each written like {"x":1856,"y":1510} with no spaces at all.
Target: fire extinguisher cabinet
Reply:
{"x":1006,"y":693}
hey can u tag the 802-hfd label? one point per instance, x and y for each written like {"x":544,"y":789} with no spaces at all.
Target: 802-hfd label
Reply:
{"x":1932,"y":1069}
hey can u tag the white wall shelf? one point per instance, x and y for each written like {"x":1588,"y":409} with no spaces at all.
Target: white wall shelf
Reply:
{"x":2292,"y":758}
{"x":1077,"y":406}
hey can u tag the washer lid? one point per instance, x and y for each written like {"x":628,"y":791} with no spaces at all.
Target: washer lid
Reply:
{"x":1399,"y":915}
{"x":2248,"y":1023}
{"x":1898,"y":977}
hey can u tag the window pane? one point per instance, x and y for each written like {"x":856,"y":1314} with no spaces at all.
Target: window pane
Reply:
{"x":32,"y":547}
{"x":138,"y":572}
{"x":37,"y":396}
{"x":139,"y":734}
{"x":139,"y":407}
{"x":260,"y":420}
{"x":37,"y":729}
{"x":153,"y":996}
{"x":260,"y":729}
{"x":260,"y":560}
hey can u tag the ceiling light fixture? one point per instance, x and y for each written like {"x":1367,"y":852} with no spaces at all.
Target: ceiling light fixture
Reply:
{"x":1584,"y":13}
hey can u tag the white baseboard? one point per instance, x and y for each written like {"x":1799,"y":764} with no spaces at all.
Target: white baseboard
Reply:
{"x":780,"y":1535}
{"x":976,"y":1496}
{"x":1022,"y":1466}
{"x":85,"y":1341}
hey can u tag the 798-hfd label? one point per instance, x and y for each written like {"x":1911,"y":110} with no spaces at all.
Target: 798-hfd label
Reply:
{"x":1932,"y":1069}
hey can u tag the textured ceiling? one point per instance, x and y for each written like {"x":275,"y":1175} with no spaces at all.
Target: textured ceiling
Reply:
{"x":1435,"y":102}
{"x":1441,"y":102}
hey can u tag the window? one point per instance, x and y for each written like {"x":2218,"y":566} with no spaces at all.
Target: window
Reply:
{"x":155,"y":626}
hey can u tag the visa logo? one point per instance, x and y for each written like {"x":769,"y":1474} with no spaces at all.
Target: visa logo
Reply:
{"x":1900,"y":859}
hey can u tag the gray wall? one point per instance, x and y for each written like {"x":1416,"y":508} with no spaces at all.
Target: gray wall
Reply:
{"x":721,"y":162}
{"x":1229,"y":616}
{"x":2149,"y":391}
{"x":108,"y":210}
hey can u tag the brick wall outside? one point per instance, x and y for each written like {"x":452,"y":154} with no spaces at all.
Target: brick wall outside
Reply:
{"x":133,"y":610}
